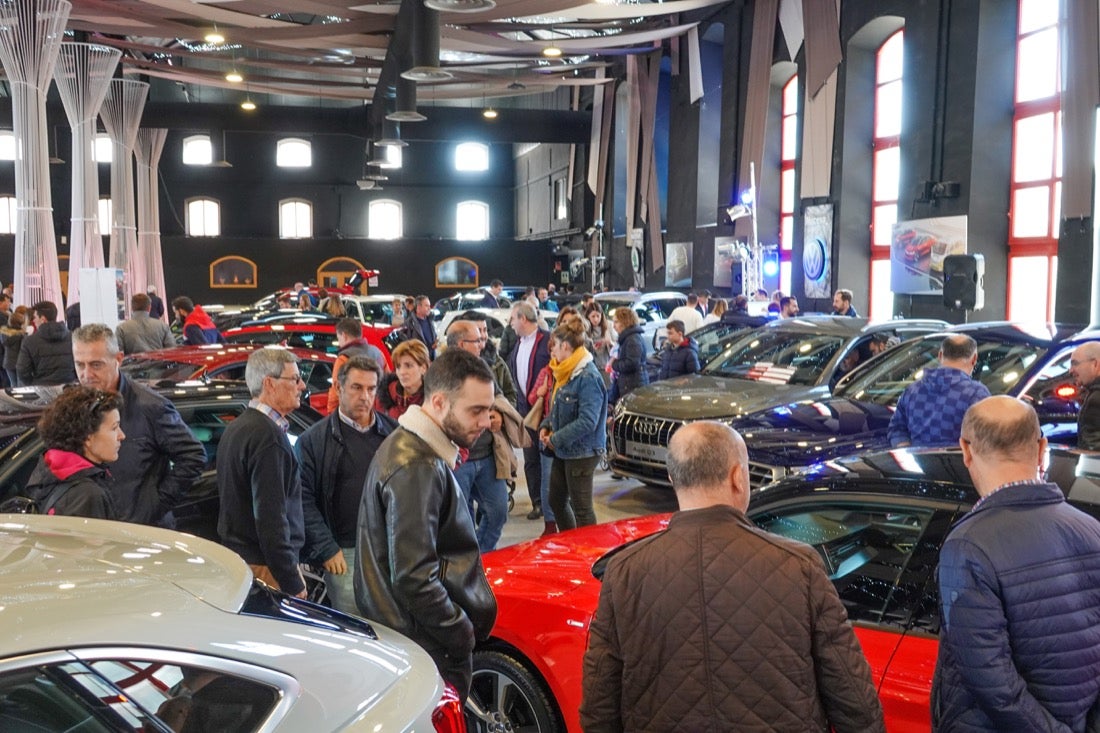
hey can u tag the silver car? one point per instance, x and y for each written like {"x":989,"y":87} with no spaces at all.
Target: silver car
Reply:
{"x":119,"y":627}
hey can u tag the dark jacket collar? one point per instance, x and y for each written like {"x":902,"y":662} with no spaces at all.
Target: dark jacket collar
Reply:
{"x":1038,"y":493}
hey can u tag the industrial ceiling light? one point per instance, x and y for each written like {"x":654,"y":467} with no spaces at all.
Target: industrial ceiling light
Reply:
{"x":551,"y":52}
{"x":460,"y":6}
{"x":489,"y":113}
{"x":214,"y":37}
{"x":234,"y":77}
{"x":248,"y":105}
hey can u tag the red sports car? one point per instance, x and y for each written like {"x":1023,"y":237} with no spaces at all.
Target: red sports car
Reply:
{"x":225,"y":361}
{"x":317,"y":336}
{"x":877,"y":520}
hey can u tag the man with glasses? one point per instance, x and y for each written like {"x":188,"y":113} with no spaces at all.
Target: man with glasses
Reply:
{"x":1084,"y":366}
{"x":260,"y":517}
{"x":160,"y":458}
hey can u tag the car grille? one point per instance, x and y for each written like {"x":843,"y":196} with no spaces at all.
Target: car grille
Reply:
{"x":643,"y":429}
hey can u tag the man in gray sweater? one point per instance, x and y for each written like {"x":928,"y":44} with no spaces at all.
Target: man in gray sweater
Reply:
{"x":142,"y":333}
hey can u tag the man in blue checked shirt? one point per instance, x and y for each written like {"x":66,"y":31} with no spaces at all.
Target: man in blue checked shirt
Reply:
{"x":930,"y":411}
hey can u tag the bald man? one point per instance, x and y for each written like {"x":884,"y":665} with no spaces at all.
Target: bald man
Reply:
{"x":1019,"y":580}
{"x":672,"y":644}
{"x":1084,"y":366}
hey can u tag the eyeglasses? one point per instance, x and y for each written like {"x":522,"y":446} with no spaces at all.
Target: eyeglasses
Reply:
{"x":297,"y":378}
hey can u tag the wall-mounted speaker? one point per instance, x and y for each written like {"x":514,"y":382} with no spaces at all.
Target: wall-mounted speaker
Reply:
{"x":964,"y":282}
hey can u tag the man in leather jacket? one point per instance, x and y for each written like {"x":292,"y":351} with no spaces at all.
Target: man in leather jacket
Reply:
{"x":1084,"y":366}
{"x":419,"y":568}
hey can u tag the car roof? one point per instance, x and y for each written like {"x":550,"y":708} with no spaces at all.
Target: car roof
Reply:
{"x":71,"y":568}
{"x":320,"y":327}
{"x":211,"y":355}
{"x":635,"y":296}
{"x":21,"y":402}
{"x":378,"y":298}
{"x":847,"y":326}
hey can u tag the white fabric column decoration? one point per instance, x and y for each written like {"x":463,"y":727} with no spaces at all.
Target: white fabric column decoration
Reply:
{"x":121,"y":115}
{"x":30,"y":34}
{"x":150,"y":145}
{"x":83,"y":72}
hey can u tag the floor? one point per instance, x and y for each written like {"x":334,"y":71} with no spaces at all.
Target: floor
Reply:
{"x":613,"y":499}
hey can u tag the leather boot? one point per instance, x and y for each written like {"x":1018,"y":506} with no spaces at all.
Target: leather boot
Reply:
{"x":550,"y":528}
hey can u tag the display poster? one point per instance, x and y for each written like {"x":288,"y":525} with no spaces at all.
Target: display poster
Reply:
{"x":725,"y":260}
{"x":917,"y":251}
{"x":817,"y":250}
{"x":678,"y":264}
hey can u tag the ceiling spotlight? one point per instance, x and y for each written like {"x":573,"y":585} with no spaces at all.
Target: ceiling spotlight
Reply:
{"x":489,"y":113}
{"x":551,"y":52}
{"x":215,"y":38}
{"x":234,"y":77}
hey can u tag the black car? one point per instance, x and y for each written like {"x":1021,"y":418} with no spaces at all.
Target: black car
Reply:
{"x":206,"y":408}
{"x":1029,"y":363}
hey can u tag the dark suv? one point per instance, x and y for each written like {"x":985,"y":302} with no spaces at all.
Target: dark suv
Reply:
{"x":206,"y":408}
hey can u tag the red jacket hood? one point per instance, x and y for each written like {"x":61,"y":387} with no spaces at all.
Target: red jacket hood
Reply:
{"x":63,"y":463}
{"x":198,"y":318}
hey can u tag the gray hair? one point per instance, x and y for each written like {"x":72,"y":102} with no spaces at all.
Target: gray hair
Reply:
{"x":266,"y":362}
{"x":93,"y":332}
{"x":526,"y":311}
{"x":958,"y":346}
{"x":702,"y":454}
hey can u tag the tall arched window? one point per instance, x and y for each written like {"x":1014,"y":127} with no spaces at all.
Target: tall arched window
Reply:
{"x":787,"y":156}
{"x":472,"y":157}
{"x":7,"y":214}
{"x":295,"y":219}
{"x":1036,"y":187}
{"x":203,"y":218}
{"x":472,"y":220}
{"x":197,"y":150}
{"x":102,"y":148}
{"x":7,"y":145}
{"x":384,"y":219}
{"x":886,"y":170}
{"x":293,"y":152}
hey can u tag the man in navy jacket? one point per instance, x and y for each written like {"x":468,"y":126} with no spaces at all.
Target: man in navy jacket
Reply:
{"x":1019,"y":580}
{"x":526,"y":359}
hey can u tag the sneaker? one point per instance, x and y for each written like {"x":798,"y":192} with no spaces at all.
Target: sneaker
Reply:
{"x":535,"y":513}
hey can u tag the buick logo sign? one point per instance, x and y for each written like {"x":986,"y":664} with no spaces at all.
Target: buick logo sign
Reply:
{"x":647,"y":427}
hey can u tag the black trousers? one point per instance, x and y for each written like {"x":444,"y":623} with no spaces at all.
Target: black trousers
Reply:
{"x":532,"y":469}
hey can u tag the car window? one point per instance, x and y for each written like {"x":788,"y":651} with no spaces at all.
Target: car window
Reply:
{"x":66,"y":697}
{"x":711,"y":339}
{"x":230,"y":371}
{"x":1000,"y":366}
{"x":865,"y":548}
{"x":317,"y":375}
{"x":778,"y":357}
{"x":665,"y":306}
{"x":157,"y":370}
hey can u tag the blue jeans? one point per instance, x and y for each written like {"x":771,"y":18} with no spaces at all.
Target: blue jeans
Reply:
{"x":544,"y":490}
{"x":341,"y":588}
{"x":479,"y":483}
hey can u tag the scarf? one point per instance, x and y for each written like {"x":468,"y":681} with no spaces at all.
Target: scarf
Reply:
{"x":564,"y":370}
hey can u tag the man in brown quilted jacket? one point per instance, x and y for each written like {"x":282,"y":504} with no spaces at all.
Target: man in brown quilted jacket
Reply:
{"x":716,"y":625}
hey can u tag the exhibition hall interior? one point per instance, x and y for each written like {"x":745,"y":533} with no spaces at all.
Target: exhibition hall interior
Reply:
{"x":782,"y":220}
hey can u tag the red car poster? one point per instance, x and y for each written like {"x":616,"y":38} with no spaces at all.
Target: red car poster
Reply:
{"x":917,"y":251}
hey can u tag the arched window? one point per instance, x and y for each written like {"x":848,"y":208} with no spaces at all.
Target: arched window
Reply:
{"x":787,"y":157}
{"x":7,"y":145}
{"x":295,"y":219}
{"x":197,"y":150}
{"x":886,"y":170}
{"x":293,"y":152}
{"x":104,"y":213}
{"x":7,"y":215}
{"x":203,"y":218}
{"x":102,"y":148}
{"x":1036,"y":187}
{"x":472,"y":220}
{"x":472,"y":157}
{"x":384,"y":219}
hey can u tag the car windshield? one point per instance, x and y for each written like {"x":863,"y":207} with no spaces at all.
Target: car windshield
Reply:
{"x":156,"y":370}
{"x":777,"y":356}
{"x":1000,"y":366}
{"x":711,"y":339}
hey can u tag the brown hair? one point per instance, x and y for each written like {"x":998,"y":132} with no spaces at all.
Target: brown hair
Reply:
{"x":414,"y":349}
{"x":570,"y":330}
{"x":626,"y":317}
{"x":74,"y":415}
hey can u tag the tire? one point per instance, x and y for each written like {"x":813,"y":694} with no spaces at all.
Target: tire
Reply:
{"x":514,"y":695}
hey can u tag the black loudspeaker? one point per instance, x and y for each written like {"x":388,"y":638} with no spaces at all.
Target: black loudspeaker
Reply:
{"x":964,"y":282}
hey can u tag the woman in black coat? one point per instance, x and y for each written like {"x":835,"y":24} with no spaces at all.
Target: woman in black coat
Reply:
{"x":82,"y":435}
{"x":629,"y":365}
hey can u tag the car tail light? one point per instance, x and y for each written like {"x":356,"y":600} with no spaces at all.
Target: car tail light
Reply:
{"x":1066,"y":391}
{"x":448,"y":716}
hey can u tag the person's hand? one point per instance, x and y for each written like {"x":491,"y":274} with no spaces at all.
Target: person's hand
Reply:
{"x":542,"y":390}
{"x":544,"y":438}
{"x":336,"y":564}
{"x":303,"y":594}
{"x":495,"y":421}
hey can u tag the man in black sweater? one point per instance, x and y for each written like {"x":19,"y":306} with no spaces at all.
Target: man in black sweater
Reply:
{"x":261,"y":495}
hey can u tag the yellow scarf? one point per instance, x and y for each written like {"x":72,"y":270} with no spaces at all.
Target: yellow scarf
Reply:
{"x":563,"y":370}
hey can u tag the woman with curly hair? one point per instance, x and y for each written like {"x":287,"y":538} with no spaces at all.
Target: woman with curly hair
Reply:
{"x":405,"y":386}
{"x":82,"y":433}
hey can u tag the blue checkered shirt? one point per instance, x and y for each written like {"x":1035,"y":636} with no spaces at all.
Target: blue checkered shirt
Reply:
{"x":930,"y":411}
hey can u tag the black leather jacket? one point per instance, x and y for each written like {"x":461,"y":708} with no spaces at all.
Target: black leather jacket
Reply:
{"x":1088,"y":419}
{"x":433,"y":589}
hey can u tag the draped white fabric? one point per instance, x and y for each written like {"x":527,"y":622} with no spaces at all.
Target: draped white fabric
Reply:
{"x":150,"y":145}
{"x":121,"y":114}
{"x":83,"y":72}
{"x":30,"y":34}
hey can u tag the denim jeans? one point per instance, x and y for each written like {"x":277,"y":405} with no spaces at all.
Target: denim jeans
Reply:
{"x":544,"y":490}
{"x":341,"y":588}
{"x":479,"y":483}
